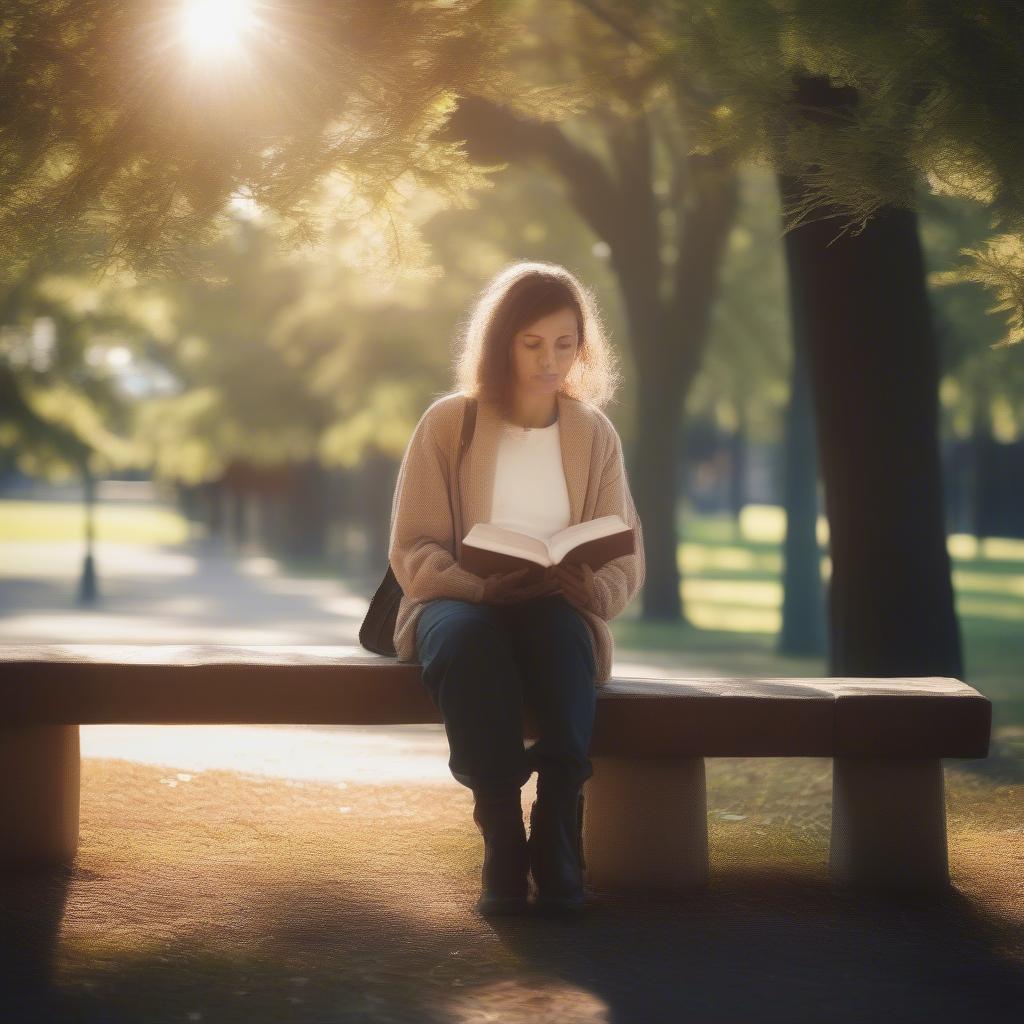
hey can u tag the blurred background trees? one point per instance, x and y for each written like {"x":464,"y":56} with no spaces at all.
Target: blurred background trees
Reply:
{"x":248,"y":282}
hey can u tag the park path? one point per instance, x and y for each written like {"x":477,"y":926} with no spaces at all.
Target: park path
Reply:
{"x":196,"y":592}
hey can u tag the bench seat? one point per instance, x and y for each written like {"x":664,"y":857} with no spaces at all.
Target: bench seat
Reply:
{"x":645,"y":808}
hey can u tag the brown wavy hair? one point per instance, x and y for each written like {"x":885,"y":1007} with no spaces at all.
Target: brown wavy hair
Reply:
{"x":515,"y":298}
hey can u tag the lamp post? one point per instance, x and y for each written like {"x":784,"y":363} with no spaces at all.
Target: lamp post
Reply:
{"x":87,"y":590}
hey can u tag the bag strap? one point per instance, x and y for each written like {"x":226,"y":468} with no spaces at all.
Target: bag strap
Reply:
{"x":454,"y":495}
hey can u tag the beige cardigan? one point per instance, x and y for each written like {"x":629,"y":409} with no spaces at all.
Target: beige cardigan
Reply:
{"x":423,"y":549}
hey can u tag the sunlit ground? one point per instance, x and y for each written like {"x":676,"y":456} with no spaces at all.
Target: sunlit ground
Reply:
{"x":225,"y":896}
{"x":405,"y":753}
{"x":310,"y":874}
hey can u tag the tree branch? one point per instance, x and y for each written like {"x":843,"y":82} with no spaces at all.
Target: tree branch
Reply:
{"x":492,"y":133}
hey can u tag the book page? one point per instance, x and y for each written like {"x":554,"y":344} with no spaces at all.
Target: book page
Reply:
{"x":572,"y":536}
{"x":508,"y":542}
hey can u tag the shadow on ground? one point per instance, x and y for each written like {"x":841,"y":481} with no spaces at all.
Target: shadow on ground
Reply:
{"x":230,"y":897}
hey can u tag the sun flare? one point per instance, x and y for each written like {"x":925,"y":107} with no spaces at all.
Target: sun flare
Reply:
{"x":215,"y":28}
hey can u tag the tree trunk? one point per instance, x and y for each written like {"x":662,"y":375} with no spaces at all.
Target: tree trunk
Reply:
{"x":655,"y":489}
{"x":306,"y":516}
{"x":738,"y":470}
{"x":982,"y":450}
{"x":669,"y":338}
{"x":874,"y":367}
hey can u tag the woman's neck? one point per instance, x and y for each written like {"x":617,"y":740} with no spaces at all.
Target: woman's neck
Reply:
{"x":534,"y":411}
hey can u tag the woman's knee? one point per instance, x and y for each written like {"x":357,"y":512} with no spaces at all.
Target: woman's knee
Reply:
{"x":555,"y":627}
{"x":459,"y":630}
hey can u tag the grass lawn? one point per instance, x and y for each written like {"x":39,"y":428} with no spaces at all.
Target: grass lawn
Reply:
{"x":62,"y":521}
{"x":733,"y":597}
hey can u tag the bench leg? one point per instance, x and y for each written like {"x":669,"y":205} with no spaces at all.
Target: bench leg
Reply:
{"x":40,"y":771}
{"x":645,"y":823}
{"x":889,"y":824}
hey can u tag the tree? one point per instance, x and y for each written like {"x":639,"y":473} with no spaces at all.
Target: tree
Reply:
{"x":287,"y":367}
{"x":664,"y":214}
{"x":293,"y":364}
{"x":982,"y":388}
{"x":327,"y":115}
{"x":327,"y":111}
{"x":937,"y":89}
{"x":874,"y":364}
{"x":61,"y":412}
{"x":849,"y":149}
{"x":755,"y":366}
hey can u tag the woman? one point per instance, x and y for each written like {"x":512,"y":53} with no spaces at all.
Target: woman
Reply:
{"x":543,"y":456}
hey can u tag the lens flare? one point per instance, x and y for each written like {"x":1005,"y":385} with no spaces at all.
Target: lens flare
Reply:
{"x":215,"y":28}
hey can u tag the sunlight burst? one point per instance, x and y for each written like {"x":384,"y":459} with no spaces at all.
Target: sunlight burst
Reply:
{"x":215,"y":28}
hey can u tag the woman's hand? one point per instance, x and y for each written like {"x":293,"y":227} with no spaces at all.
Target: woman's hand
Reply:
{"x":575,"y":582}
{"x":512,"y":587}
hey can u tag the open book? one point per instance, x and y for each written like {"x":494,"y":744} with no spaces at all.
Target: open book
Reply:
{"x":488,"y":549}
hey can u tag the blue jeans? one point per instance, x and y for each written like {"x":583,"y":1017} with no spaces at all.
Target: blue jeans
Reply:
{"x":482,"y":662}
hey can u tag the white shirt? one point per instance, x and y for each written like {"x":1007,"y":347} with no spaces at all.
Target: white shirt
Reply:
{"x":530,"y":494}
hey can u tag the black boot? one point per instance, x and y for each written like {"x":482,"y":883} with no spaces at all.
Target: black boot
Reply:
{"x":499,"y":817}
{"x":556,"y":848}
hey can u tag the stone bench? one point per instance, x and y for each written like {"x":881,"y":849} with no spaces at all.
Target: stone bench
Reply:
{"x":645,"y":807}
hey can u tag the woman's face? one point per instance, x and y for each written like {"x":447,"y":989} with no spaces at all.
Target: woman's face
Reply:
{"x":543,"y":353}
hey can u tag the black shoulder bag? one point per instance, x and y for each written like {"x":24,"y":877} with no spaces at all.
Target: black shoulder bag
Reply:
{"x":377,"y":633}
